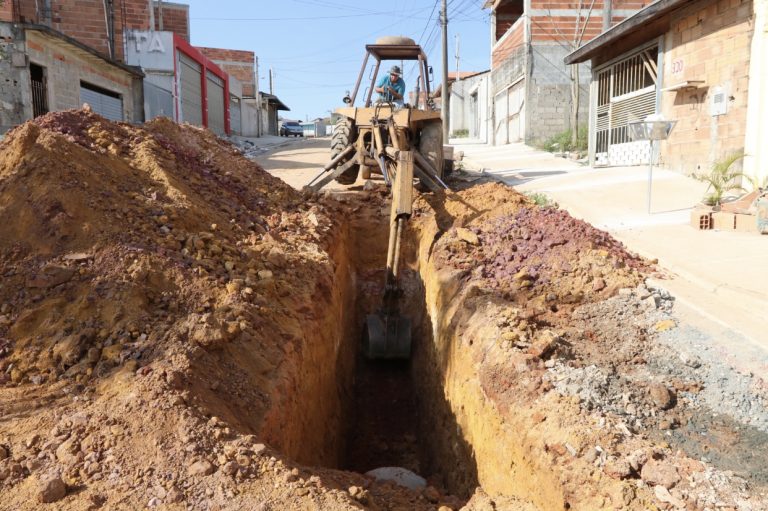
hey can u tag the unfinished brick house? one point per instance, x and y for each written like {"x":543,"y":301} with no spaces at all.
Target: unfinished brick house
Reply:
{"x":69,"y":52}
{"x":180,"y":81}
{"x":98,"y":24}
{"x":48,"y":69}
{"x":530,"y":86}
{"x":690,"y":61}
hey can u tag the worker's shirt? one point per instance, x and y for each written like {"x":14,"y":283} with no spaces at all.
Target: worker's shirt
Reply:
{"x":398,"y":85}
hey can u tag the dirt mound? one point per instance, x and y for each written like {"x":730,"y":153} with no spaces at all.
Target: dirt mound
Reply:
{"x":541,"y":258}
{"x":154,"y":281}
{"x":110,"y":233}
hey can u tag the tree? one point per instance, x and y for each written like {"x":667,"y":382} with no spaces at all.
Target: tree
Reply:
{"x":572,"y":43}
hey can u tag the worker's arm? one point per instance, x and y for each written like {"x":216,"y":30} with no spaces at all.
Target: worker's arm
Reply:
{"x":381,"y":88}
{"x":386,"y":88}
{"x":394,"y":93}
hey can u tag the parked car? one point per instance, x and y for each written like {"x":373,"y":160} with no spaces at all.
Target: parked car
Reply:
{"x":291,"y":128}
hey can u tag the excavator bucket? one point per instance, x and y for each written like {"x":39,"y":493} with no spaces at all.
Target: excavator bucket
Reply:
{"x":387,"y":336}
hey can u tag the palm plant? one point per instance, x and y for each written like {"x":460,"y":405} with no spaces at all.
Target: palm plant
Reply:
{"x":722,"y":179}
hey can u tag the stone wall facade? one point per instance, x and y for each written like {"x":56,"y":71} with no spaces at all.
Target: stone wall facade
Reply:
{"x":15,"y":88}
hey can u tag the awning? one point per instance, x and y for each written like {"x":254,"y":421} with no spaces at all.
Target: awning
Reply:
{"x":275,"y":101}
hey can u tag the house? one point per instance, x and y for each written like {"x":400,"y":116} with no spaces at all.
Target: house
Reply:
{"x":45,"y":70}
{"x":469,"y":105}
{"x":531,"y":90}
{"x":690,"y":61}
{"x":182,"y":82}
{"x":98,"y":24}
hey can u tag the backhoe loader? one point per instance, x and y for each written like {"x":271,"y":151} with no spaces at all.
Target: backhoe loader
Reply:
{"x":404,"y":145}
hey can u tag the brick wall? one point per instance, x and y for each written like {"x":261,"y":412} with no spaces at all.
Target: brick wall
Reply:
{"x":6,"y":11}
{"x":26,"y":11}
{"x":84,"y":20}
{"x":136,"y":14}
{"x":549,"y":93}
{"x":175,"y":19}
{"x":559,"y":20}
{"x":511,"y":41}
{"x":561,"y":28}
{"x":237,"y":63}
{"x":506,"y":15}
{"x":708,"y":41}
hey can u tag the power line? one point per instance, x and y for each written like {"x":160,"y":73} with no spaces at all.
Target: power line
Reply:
{"x":405,"y":14}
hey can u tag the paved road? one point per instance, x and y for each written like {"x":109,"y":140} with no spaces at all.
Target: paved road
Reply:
{"x":722,"y":276}
{"x":298,"y":161}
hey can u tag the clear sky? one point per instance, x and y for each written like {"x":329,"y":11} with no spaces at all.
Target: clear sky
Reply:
{"x":315,"y":47}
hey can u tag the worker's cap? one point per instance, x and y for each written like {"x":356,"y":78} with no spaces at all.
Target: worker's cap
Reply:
{"x":395,"y":71}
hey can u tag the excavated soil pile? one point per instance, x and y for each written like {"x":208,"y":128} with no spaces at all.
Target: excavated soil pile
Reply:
{"x":543,"y":374}
{"x":180,"y":330}
{"x":163,"y":303}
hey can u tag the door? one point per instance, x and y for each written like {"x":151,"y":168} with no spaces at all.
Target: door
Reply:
{"x":626,"y":92}
{"x":500,"y":110}
{"x":215,"y":103}
{"x":39,"y":90}
{"x":190,"y":77}
{"x":474,"y":116}
{"x":235,"y":115}
{"x":516,"y":103}
{"x":104,"y":102}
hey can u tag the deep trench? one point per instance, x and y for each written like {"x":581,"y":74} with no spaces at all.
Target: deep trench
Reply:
{"x":345,"y":412}
{"x":395,"y":410}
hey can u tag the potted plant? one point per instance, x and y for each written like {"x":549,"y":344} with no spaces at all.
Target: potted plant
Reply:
{"x":721,"y":180}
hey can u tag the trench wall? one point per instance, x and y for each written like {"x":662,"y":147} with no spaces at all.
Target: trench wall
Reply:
{"x":309,"y":411}
{"x":476,"y":438}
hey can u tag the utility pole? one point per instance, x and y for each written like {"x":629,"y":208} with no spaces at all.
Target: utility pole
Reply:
{"x":270,"y":80}
{"x":444,"y":115}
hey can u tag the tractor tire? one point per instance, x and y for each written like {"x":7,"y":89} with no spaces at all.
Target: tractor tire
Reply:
{"x":344,"y":135}
{"x":431,"y":146}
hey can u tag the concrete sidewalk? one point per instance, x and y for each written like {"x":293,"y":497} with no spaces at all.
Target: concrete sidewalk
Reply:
{"x":720,"y":275}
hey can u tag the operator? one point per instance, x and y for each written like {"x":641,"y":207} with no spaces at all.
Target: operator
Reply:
{"x":391,"y":87}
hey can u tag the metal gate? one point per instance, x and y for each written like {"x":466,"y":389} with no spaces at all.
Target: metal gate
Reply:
{"x":215,"y":103}
{"x":190,"y":77}
{"x":105,"y":103}
{"x":509,"y":113}
{"x":39,"y":90}
{"x":500,"y":135}
{"x":516,"y":102}
{"x":626,"y":92}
